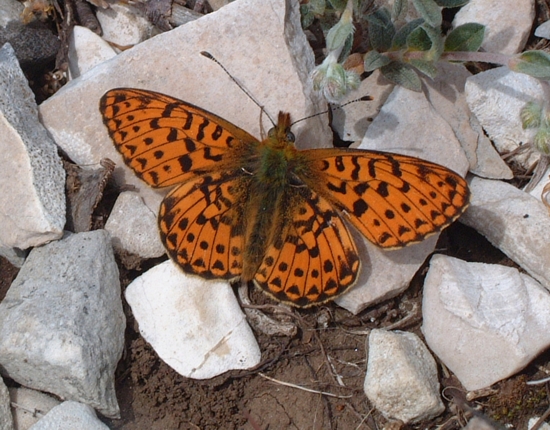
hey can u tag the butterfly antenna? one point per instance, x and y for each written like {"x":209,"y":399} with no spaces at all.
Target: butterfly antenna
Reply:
{"x":243,"y":89}
{"x":361,"y":99}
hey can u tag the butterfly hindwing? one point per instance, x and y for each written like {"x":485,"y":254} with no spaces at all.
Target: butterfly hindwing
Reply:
{"x":167,"y":141}
{"x":393,"y":200}
{"x":313,"y":257}
{"x":201,"y":225}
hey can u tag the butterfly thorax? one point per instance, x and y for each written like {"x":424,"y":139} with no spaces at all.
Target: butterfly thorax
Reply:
{"x":273,"y":188}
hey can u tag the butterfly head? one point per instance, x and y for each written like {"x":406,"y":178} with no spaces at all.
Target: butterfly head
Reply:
{"x":280,"y":135}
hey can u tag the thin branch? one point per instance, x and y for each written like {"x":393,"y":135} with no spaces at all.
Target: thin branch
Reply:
{"x":299,"y":387}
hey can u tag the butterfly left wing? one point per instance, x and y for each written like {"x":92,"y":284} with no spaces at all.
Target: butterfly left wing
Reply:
{"x":167,"y":141}
{"x":312,"y":258}
{"x":201,"y":224}
{"x":393,"y":200}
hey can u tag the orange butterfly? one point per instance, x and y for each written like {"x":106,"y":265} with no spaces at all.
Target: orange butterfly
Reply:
{"x":267,"y":212}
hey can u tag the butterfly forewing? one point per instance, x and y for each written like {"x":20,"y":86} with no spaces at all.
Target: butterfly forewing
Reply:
{"x":392,"y":199}
{"x":167,"y":141}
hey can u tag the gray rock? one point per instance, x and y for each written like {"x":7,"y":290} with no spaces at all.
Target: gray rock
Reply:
{"x":400,"y":369}
{"x":496,"y":98}
{"x":29,"y":406}
{"x":484,"y":321}
{"x":195,"y":325}
{"x":61,"y":322}
{"x":6,"y":418}
{"x":508,"y":23}
{"x":34,"y":44}
{"x":70,"y":416}
{"x":32,"y":179}
{"x":514,"y":222}
{"x":133,"y":227}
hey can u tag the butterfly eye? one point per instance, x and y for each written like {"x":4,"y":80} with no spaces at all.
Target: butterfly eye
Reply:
{"x":272,"y":132}
{"x":290,"y":136}
{"x":295,"y":181}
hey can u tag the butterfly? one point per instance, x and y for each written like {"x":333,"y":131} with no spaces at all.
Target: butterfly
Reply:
{"x":264,"y":211}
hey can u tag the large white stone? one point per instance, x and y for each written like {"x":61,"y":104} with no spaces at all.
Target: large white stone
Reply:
{"x":514,"y":222}
{"x":400,"y":129}
{"x":484,"y":321}
{"x":496,"y":98}
{"x":400,"y":369}
{"x":70,"y":416}
{"x":86,"y":50}
{"x":446,"y":94}
{"x":195,"y":326}
{"x":274,"y":68}
{"x":32,"y":179}
{"x":508,"y":23}
{"x":62,"y":324}
{"x":124,"y":25}
{"x":29,"y":406}
{"x":6,"y":419}
{"x":133,"y":226}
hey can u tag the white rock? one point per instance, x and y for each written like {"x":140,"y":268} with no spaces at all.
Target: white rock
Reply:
{"x":133,"y":227}
{"x":543,"y":30}
{"x":386,"y":274}
{"x":275,"y":72}
{"x":508,"y":23}
{"x":70,"y":416}
{"x":401,"y":380}
{"x":496,"y":98}
{"x":32,"y":179}
{"x":86,"y":50}
{"x":124,"y":25}
{"x":352,"y":121}
{"x":6,"y":418}
{"x":484,"y":321}
{"x":61,"y":322}
{"x":514,"y":222}
{"x":479,"y":423}
{"x":446,"y":95}
{"x":195,"y":326}
{"x":10,"y":11}
{"x":29,"y":406}
{"x":532,"y":421}
{"x":14,"y":255}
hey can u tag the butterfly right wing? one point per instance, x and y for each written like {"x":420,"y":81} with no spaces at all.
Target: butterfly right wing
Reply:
{"x":167,"y":141}
{"x":312,"y":257}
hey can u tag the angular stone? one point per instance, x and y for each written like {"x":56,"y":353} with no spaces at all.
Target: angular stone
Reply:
{"x":508,"y":24}
{"x":484,"y":321}
{"x":70,"y":416}
{"x":496,"y":98}
{"x":514,"y":222}
{"x":133,"y":227}
{"x":86,"y":50}
{"x":195,"y":326}
{"x":400,"y":368}
{"x":6,"y":419}
{"x":61,"y":322}
{"x":32,"y":179}
{"x":30,"y":406}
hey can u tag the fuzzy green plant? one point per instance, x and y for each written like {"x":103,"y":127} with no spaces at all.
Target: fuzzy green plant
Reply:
{"x":406,"y":51}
